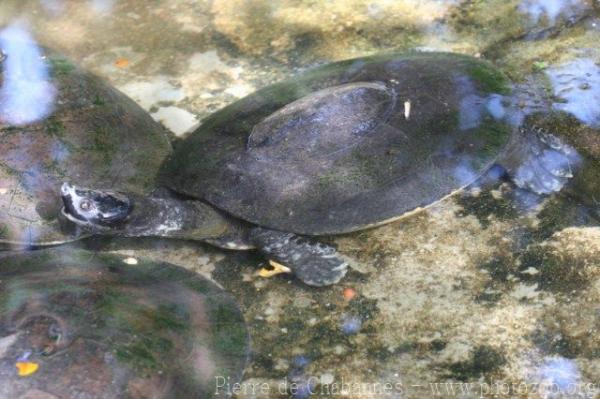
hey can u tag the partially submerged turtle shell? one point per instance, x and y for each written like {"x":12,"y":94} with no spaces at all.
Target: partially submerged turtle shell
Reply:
{"x":349,"y":145}
{"x":75,"y":324}
{"x":95,"y":136}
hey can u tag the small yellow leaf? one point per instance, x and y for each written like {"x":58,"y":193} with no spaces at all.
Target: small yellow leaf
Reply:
{"x":26,"y":368}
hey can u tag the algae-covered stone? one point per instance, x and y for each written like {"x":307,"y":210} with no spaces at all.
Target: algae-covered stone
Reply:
{"x":79,"y":324}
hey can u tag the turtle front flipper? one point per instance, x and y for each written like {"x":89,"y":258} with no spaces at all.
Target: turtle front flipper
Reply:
{"x":314,"y":263}
{"x":544,"y":163}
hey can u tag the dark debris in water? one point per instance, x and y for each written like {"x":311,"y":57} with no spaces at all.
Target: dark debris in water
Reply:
{"x":483,"y":360}
{"x":555,"y":271}
{"x":487,"y":205}
{"x":560,"y":212}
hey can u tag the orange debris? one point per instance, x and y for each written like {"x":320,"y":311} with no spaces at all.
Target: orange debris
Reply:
{"x":26,"y":368}
{"x":122,"y":62}
{"x":349,"y":293}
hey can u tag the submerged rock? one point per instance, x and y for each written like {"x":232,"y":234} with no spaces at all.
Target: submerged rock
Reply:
{"x":328,"y":28}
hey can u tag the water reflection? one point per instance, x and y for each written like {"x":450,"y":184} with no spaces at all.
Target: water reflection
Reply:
{"x":495,"y":107}
{"x":102,"y":6}
{"x":577,"y":86}
{"x":559,"y":375}
{"x":551,"y":10}
{"x":464,"y":172}
{"x":53,"y":7}
{"x":56,"y":7}
{"x":26,"y":95}
{"x":91,"y":326}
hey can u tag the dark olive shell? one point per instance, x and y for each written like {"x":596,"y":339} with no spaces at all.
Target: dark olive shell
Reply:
{"x":95,"y":136}
{"x":348,"y":145}
{"x":76,"y":324}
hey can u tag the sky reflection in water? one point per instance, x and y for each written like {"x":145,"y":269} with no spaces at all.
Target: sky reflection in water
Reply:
{"x":26,"y":95}
{"x":550,"y":9}
{"x":559,"y":375}
{"x":577,"y":83}
{"x":56,"y":7}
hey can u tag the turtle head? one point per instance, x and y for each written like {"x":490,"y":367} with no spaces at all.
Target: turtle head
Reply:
{"x":96,"y":209}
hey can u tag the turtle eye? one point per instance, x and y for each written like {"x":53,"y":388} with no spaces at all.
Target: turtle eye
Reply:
{"x":85,"y":205}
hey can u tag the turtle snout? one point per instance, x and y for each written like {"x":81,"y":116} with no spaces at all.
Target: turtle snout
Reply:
{"x":73,"y":199}
{"x":66,"y":189}
{"x":71,"y":202}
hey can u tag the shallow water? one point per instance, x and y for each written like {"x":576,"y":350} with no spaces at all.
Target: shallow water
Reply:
{"x":491,"y":292}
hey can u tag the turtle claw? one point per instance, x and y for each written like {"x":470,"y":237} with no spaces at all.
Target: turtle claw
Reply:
{"x":278,"y":268}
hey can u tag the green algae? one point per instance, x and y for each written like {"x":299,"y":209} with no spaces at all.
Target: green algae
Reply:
{"x":229,"y":338}
{"x":55,"y":127}
{"x":145,"y":353}
{"x":485,"y":206}
{"x":560,"y":212}
{"x":494,"y":135}
{"x":60,"y":65}
{"x":489,"y":79}
{"x":98,"y":100}
{"x":555,"y":272}
{"x":499,"y":268}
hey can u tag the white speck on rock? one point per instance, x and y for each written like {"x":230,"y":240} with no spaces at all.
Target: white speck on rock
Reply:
{"x":525,"y":291}
{"x":269,"y":311}
{"x":531,"y":271}
{"x":339,"y":349}
{"x":130,"y":261}
{"x":178,"y":120}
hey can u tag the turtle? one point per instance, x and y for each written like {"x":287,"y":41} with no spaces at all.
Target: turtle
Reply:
{"x":79,"y":324}
{"x":343,"y":147}
{"x":64,"y":123}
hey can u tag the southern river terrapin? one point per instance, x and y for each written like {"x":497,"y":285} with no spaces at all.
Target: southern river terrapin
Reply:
{"x":58,"y":122}
{"x":75,"y":324}
{"x":344,"y":147}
